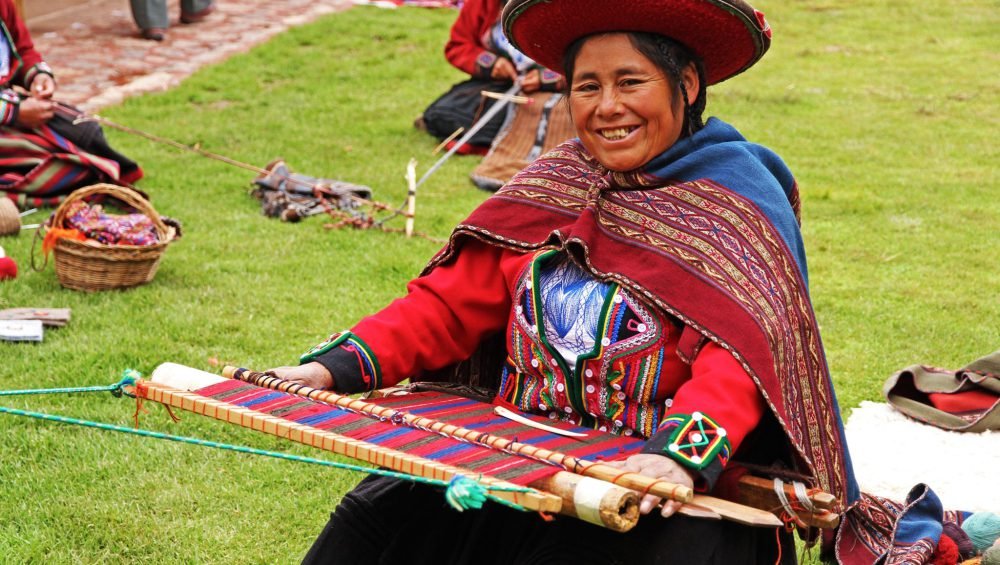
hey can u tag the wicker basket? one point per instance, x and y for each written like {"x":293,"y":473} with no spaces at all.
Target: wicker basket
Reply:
{"x":10,"y":218}
{"x":91,"y":266}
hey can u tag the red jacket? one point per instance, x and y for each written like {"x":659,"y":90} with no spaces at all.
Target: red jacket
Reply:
{"x":24,"y":58}
{"x":25,"y":62}
{"x":450,"y":311}
{"x":466,"y":48}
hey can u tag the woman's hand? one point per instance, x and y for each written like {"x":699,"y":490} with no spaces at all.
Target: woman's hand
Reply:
{"x":531,"y":81}
{"x":43,"y":86}
{"x":503,"y":69}
{"x":34,"y":112}
{"x":312,"y":375}
{"x":657,"y":467}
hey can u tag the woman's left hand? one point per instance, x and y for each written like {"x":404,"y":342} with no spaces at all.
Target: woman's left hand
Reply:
{"x":43,"y":86}
{"x":657,"y":467}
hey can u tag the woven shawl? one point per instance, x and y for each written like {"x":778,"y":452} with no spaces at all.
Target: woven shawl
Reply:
{"x":708,"y":232}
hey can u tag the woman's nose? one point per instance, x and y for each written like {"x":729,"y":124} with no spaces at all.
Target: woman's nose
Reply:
{"x":610,"y":102}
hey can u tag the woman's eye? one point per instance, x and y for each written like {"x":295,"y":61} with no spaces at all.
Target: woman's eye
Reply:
{"x":630,"y":82}
{"x":585,"y":87}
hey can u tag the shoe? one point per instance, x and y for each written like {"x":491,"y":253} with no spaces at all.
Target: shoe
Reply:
{"x":419,"y":123}
{"x":195,"y":17}
{"x":154,"y":34}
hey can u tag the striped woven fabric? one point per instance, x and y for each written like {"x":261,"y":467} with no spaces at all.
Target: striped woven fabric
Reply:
{"x":40,"y":167}
{"x":443,"y":407}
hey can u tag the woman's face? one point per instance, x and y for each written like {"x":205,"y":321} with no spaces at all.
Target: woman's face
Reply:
{"x":622,"y":104}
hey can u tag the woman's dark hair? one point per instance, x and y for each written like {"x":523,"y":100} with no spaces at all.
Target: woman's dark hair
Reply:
{"x":670,"y":57}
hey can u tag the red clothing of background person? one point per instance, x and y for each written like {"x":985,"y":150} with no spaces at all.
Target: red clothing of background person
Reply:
{"x":477,"y":47}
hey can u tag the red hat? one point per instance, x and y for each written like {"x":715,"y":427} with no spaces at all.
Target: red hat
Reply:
{"x":728,"y":35}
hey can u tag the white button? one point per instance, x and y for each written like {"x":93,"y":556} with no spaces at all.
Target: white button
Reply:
{"x":534,"y":362}
{"x":722,"y":432}
{"x":641,"y":327}
{"x":696,"y":437}
{"x":620,"y":395}
{"x":589,"y":373}
{"x":554,"y":362}
{"x":628,"y":432}
{"x":603,"y":428}
{"x":591,"y":389}
{"x":605,"y":341}
{"x":560,"y":387}
{"x":673,"y":447}
{"x":553,"y":416}
{"x":534,"y":329}
{"x":569,"y":410}
{"x":696,"y":459}
{"x":618,"y":423}
{"x":669,"y":402}
{"x":616,"y":386}
{"x":528,"y":284}
{"x":618,"y":299}
{"x":697,"y":416}
{"x":543,"y":407}
{"x":519,"y":309}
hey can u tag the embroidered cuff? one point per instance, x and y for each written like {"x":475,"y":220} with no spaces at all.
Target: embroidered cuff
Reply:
{"x":9,"y":105}
{"x":40,"y":68}
{"x":349,"y":360}
{"x":484,"y":65}
{"x":551,"y":81}
{"x":695,"y":441}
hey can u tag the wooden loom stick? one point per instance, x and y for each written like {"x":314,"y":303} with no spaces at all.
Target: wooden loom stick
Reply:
{"x":759,"y":492}
{"x":702,"y":506}
{"x":411,"y":195}
{"x":594,"y":501}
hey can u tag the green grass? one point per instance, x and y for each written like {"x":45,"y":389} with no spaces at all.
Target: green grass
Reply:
{"x":886,"y":111}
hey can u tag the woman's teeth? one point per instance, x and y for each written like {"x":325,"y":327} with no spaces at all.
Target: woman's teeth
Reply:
{"x":615,"y":134}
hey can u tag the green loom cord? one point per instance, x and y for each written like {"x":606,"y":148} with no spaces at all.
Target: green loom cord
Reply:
{"x":461,"y":492}
{"x":128,"y":379}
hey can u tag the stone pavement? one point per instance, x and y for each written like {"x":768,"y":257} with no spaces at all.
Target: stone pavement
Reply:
{"x":99,"y":59}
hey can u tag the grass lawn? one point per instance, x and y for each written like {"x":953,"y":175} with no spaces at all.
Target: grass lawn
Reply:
{"x":886,"y":111}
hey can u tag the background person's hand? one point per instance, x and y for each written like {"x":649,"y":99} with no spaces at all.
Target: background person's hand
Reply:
{"x":43,"y":86}
{"x":312,"y":375}
{"x":531,"y":81}
{"x":657,"y":467}
{"x":503,"y":69}
{"x":34,"y":112}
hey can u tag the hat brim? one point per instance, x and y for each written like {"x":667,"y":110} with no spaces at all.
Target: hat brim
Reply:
{"x":728,"y":35}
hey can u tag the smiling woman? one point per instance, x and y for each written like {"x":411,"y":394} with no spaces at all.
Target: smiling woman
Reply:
{"x":648,"y":280}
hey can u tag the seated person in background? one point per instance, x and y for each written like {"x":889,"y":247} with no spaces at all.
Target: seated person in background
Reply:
{"x":478,"y":47}
{"x":46,"y":155}
{"x":647,"y":279}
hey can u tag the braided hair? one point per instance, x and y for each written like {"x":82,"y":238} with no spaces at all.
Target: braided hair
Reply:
{"x":671,"y":57}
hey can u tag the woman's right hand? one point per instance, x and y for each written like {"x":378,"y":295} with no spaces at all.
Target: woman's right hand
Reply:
{"x":503,"y":69}
{"x":34,"y":112}
{"x":312,"y":375}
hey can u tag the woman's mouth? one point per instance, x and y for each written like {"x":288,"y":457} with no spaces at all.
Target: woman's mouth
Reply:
{"x":615,"y":134}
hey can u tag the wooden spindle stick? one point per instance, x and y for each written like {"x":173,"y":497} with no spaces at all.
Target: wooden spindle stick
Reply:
{"x":411,"y":195}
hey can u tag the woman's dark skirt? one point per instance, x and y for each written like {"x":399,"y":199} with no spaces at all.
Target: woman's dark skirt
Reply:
{"x":385,"y":521}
